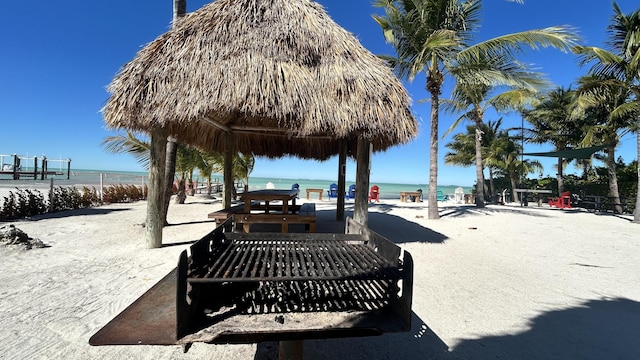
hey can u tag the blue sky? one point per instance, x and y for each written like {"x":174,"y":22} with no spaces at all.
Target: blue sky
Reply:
{"x":58,"y":58}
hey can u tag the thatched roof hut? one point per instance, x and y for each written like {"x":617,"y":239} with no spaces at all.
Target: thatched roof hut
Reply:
{"x":281,"y":75}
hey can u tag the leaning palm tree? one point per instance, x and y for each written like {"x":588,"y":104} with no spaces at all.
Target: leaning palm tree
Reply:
{"x":429,"y":35}
{"x":619,"y":65}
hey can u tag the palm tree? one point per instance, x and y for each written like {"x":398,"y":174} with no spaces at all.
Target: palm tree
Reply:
{"x":472,"y":97}
{"x":429,"y":35}
{"x":606,"y":129}
{"x":619,"y":66}
{"x":179,"y":10}
{"x":463,"y":149}
{"x":130,"y":144}
{"x":509,"y":161}
{"x":425,"y":34}
{"x":552,"y":122}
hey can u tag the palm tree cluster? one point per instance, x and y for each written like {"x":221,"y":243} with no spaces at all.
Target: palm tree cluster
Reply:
{"x":188,"y":160}
{"x":433,"y":37}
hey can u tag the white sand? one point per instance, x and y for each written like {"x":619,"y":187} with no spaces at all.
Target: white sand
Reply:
{"x":502,"y":282}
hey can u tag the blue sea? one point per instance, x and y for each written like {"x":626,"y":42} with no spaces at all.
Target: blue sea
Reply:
{"x":89,"y":178}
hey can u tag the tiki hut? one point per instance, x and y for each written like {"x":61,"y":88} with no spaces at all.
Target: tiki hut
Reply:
{"x":269,"y":77}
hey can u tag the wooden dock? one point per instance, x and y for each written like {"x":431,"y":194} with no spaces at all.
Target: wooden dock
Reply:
{"x":42,"y":171}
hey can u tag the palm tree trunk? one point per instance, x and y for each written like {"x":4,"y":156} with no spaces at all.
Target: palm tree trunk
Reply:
{"x":179,"y":9}
{"x":636,"y":213}
{"x":492,"y":186}
{"x":155,"y":199}
{"x":169,"y":175}
{"x":512,"y":177}
{"x":613,"y":179}
{"x":432,"y":204}
{"x":479,"y":168}
{"x":559,"y":176}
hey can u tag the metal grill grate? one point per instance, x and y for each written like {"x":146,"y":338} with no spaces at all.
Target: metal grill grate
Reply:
{"x":295,"y":260}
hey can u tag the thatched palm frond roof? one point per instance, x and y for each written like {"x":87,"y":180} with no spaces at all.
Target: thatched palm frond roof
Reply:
{"x":279,"y":74}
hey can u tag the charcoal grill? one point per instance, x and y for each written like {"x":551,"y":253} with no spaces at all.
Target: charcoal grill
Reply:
{"x":254,"y":287}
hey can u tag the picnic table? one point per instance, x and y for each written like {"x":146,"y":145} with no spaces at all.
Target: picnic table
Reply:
{"x":405,"y":195}
{"x":259,"y":208}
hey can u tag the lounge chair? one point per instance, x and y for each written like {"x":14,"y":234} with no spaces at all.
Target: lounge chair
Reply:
{"x":333,"y":191}
{"x":562,"y":202}
{"x":351,"y":194}
{"x":374,"y":194}
{"x":296,"y":186}
{"x":440,"y":195}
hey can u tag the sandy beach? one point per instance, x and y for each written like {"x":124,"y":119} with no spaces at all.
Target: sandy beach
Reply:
{"x":503,"y":282}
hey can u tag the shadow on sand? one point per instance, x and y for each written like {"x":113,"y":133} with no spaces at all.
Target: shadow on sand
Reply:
{"x":76,"y":212}
{"x":596,"y":329}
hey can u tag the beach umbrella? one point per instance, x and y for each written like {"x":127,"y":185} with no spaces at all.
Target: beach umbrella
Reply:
{"x":280,"y":75}
{"x":269,"y":77}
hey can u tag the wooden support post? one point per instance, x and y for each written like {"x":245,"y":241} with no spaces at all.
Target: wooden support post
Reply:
{"x":68,"y":168}
{"x":35,"y":168}
{"x":228,"y":170}
{"x":342,"y":172}
{"x":363,"y":159}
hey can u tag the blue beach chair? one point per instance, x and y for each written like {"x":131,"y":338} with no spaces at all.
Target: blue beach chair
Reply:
{"x":333,"y":191}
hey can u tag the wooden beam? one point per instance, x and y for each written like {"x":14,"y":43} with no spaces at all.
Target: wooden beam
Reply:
{"x":210,"y":121}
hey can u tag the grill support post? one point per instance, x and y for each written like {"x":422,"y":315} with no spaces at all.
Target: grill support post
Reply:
{"x":290,"y":350}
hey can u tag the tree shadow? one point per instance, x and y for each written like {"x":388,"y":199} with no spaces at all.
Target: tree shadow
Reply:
{"x":419,"y":343}
{"x":472,"y":210}
{"x":74,"y":212}
{"x":596,"y":329}
{"x":392,"y":227}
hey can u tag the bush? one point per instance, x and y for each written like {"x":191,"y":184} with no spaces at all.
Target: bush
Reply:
{"x":24,"y":203}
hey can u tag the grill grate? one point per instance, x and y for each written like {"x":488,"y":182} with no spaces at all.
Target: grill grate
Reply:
{"x":295,"y":260}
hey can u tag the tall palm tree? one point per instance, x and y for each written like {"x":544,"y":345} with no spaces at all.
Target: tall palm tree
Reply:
{"x":179,"y":10}
{"x":619,"y":66}
{"x":606,"y":129}
{"x":552,"y":122}
{"x":425,"y":34}
{"x":472,"y":97}
{"x":428,"y":35}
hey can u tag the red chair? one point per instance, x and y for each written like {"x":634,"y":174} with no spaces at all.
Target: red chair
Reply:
{"x":374,"y":194}
{"x":562,"y":202}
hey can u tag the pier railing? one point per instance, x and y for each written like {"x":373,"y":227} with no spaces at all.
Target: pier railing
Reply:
{"x":16,"y":167}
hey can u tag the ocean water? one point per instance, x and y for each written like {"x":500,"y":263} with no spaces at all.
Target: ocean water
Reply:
{"x":92,"y":178}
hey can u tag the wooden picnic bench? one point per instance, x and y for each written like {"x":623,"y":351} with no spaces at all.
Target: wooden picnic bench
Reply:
{"x":405,"y":195}
{"x":305,"y":214}
{"x":222,"y":215}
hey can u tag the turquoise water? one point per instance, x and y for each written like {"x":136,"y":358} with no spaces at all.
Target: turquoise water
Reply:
{"x":90,"y":178}
{"x":387,"y":190}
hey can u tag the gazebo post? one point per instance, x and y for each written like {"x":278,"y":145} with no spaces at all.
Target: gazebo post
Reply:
{"x":363,"y":160}
{"x":155,"y":198}
{"x":342,"y":172}
{"x":228,"y":169}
